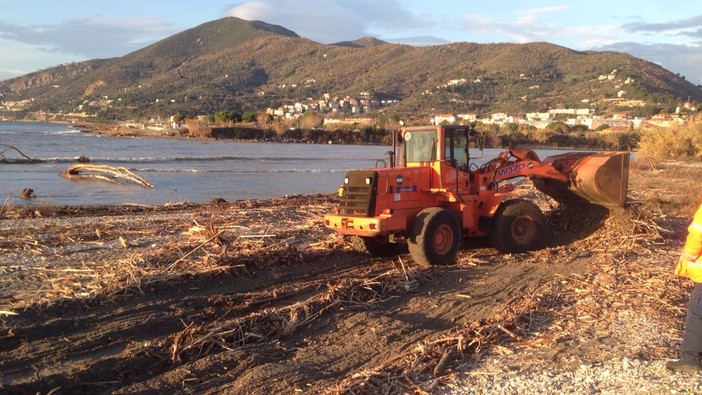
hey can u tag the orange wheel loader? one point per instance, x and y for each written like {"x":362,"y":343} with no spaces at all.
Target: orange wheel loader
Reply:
{"x":430,"y":194}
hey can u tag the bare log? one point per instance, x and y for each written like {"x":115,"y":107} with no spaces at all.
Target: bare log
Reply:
{"x":4,"y":159}
{"x":103,"y":173}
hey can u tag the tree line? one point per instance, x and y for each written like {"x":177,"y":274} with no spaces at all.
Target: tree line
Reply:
{"x":310,"y":128}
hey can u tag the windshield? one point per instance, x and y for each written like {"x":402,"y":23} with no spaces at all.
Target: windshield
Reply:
{"x":420,"y":145}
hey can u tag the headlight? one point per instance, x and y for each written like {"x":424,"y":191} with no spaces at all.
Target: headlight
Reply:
{"x":368,"y":180}
{"x":346,"y":180}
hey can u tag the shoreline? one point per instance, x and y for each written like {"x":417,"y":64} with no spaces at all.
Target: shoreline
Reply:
{"x":14,"y":212}
{"x":120,"y":131}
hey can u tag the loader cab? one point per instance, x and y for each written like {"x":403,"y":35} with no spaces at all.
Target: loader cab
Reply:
{"x":456,"y":147}
{"x":422,"y":146}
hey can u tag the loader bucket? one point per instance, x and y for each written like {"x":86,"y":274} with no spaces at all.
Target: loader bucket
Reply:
{"x":599,"y":178}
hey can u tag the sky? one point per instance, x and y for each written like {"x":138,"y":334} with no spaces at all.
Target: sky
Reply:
{"x":37,"y":34}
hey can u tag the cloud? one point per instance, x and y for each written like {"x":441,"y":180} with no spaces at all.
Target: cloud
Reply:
{"x":6,"y":74}
{"x":539,"y":24}
{"x":695,"y":34}
{"x":418,"y":40}
{"x":329,"y":21}
{"x":641,"y":27}
{"x":681,"y":59}
{"x":88,"y":37}
{"x":19,"y":58}
{"x":527,"y":27}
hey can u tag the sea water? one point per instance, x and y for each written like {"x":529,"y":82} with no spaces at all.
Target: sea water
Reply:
{"x":181,"y":170}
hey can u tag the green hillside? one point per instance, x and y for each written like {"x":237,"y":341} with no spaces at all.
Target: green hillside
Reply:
{"x":235,"y":64}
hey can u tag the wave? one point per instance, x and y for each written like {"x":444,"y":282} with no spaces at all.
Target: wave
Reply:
{"x":236,"y":171}
{"x":176,"y":159}
{"x":244,"y":159}
{"x":60,"y":132}
{"x":241,"y":167}
{"x":27,"y":133}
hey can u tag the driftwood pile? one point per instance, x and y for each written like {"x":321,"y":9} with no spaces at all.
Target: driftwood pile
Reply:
{"x":365,"y":288}
{"x":86,"y":171}
{"x":141,"y":251}
{"x":621,"y":286}
{"x":632,"y":268}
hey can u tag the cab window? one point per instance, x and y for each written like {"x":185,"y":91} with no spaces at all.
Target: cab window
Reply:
{"x":420,"y":145}
{"x":456,"y":146}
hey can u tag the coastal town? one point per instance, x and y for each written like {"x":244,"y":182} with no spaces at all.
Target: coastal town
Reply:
{"x":360,"y":111}
{"x":364,"y":109}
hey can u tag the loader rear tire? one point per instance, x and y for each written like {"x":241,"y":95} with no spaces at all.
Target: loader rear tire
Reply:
{"x":374,"y":246}
{"x":435,"y":237}
{"x":518,"y":226}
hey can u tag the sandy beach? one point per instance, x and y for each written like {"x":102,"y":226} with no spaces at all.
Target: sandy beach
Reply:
{"x":257,"y":297}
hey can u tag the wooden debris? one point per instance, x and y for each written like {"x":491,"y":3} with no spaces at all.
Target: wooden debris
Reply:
{"x":25,"y":158}
{"x":236,"y":239}
{"x":574,"y":306}
{"x":27,"y":193}
{"x":253,"y":235}
{"x":103,"y":173}
{"x":7,"y":312}
{"x":227,"y":334}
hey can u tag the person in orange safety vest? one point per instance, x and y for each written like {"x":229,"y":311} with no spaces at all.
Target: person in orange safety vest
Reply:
{"x":690,"y":265}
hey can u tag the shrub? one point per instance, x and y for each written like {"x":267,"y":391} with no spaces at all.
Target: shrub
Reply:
{"x":626,"y":141}
{"x":679,"y":142}
{"x":198,"y":128}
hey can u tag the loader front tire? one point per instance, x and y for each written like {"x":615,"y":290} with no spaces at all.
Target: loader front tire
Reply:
{"x":518,"y":226}
{"x":374,"y":246}
{"x":435,"y":237}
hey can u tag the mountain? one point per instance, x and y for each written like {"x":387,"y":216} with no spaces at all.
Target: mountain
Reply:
{"x":365,"y":42}
{"x":231,"y":63}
